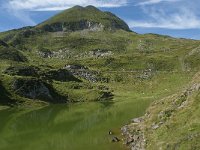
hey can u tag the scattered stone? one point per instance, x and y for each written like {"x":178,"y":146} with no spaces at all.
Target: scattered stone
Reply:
{"x":155,"y":126}
{"x":137,"y":120}
{"x":115,"y":139}
{"x":75,"y":67}
{"x":146,"y":74}
{"x":61,"y":53}
{"x":100,"y":53}
{"x":133,"y":135}
{"x":110,"y":132}
{"x":85,"y":73}
{"x":124,"y":130}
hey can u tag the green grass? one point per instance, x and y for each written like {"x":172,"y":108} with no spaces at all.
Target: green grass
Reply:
{"x":179,"y":114}
{"x":141,"y":69}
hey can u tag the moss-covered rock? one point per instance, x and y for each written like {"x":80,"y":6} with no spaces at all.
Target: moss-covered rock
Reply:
{"x":59,"y":75}
{"x":36,"y":89}
{"x":22,"y":71}
{"x":9,"y":53}
{"x":5,"y":96}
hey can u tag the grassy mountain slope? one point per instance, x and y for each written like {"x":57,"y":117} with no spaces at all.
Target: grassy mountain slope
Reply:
{"x":84,"y":54}
{"x":107,"y":55}
{"x":78,"y":18}
{"x":170,"y":123}
{"x":180,"y":116}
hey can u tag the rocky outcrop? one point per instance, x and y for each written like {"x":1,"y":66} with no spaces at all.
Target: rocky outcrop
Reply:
{"x":76,"y":67}
{"x":133,"y":135}
{"x":45,"y":53}
{"x":60,"y":75}
{"x":5,"y":96}
{"x":146,"y":74}
{"x":82,"y":72}
{"x":22,"y":71}
{"x":67,"y":53}
{"x":36,"y":89}
{"x":62,"y":53}
{"x":100,"y":53}
{"x":73,"y":26}
{"x":85,"y":73}
{"x":105,"y":95}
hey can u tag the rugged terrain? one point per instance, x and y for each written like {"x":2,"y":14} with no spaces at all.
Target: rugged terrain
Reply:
{"x":84,"y":55}
{"x":169,"y":123}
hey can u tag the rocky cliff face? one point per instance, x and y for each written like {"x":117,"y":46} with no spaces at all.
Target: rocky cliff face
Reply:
{"x":73,"y":26}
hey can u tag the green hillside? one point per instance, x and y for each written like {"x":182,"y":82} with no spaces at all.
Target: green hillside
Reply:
{"x":86,"y":55}
{"x":79,"y":18}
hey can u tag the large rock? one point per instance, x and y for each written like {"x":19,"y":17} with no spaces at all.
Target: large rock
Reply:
{"x":85,"y":73}
{"x":36,"y":89}
{"x":60,"y":75}
{"x":137,"y":120}
{"x":76,"y":67}
{"x":5,"y":96}
{"x":22,"y":71}
{"x":100,"y":53}
{"x":82,"y":72}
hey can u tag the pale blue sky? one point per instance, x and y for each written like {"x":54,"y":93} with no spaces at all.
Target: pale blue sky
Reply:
{"x":178,"y":18}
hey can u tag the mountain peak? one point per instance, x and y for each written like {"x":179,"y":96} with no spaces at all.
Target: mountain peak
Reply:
{"x":91,"y":7}
{"x":80,"y":18}
{"x":77,"y":7}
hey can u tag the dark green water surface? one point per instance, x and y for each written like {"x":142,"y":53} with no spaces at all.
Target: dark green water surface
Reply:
{"x":68,"y":127}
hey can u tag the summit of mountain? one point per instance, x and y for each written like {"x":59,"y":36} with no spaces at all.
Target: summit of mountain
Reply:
{"x":80,"y":18}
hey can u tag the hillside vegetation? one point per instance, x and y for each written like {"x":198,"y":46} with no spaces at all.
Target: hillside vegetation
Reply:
{"x":85,"y":55}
